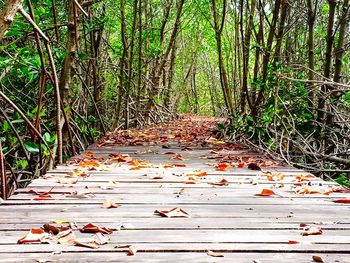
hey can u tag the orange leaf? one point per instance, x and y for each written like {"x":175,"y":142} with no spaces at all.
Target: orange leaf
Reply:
{"x":223,"y":182}
{"x":192,"y":180}
{"x":266,"y":192}
{"x":199,"y":174}
{"x":43,"y":197}
{"x":292,"y":242}
{"x":33,"y":236}
{"x":89,"y":163}
{"x":222,"y":166}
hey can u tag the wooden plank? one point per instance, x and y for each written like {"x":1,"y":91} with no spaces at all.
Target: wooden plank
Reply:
{"x":171,"y":257}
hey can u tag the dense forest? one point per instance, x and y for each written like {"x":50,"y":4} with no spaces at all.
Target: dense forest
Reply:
{"x":71,"y":71}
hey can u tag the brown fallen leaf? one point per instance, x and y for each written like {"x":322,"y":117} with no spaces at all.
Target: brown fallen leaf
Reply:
{"x":254,"y":166}
{"x":66,"y":237}
{"x":132,"y":251}
{"x":110,"y":204}
{"x":312,"y":230}
{"x":54,"y":229}
{"x":158,"y":177}
{"x":34,"y":236}
{"x":174,"y":212}
{"x":266,"y":192}
{"x":293,"y":242}
{"x":223,"y":182}
{"x":101,"y":239}
{"x":317,"y":259}
{"x":214,"y":254}
{"x":91,"y":228}
{"x":342,"y":201}
{"x":86,"y":242}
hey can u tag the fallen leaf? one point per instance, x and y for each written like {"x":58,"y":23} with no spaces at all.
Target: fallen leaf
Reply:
{"x":34,"y":236}
{"x":174,"y":212}
{"x":101,"y":239}
{"x":222,"y":166}
{"x":80,"y":195}
{"x":312,"y":230}
{"x":60,"y":221}
{"x":89,"y":163}
{"x":91,"y":228}
{"x":199,"y":174}
{"x":214,"y":254}
{"x":86,"y":242}
{"x":192,"y":180}
{"x":223,"y":182}
{"x":132,"y":251}
{"x":63,"y":180}
{"x":110,"y":204}
{"x":317,"y":259}
{"x":169,"y":153}
{"x":342,"y":201}
{"x":292,"y":242}
{"x":43,"y":197}
{"x":66,"y":237}
{"x":254,"y":166}
{"x":157,"y":177}
{"x":303,"y":177}
{"x":266,"y":192}
{"x":54,"y":229}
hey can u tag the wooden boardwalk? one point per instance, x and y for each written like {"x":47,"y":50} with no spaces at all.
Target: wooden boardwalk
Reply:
{"x":229,"y":219}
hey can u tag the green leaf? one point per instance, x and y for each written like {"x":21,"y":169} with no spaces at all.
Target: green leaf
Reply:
{"x":6,"y":126}
{"x":31,"y":147}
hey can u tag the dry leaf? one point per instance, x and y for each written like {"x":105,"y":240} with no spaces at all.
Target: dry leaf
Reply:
{"x":110,"y":204}
{"x":312,"y":230}
{"x":266,"y":192}
{"x":43,"y":197}
{"x":86,"y":242}
{"x":317,"y":259}
{"x":63,"y":180}
{"x":254,"y":166}
{"x":199,"y":174}
{"x":342,"y":201}
{"x":80,"y":195}
{"x":101,"y":239}
{"x":214,"y":254}
{"x":223,"y":166}
{"x":223,"y":182}
{"x":34,"y":236}
{"x":132,"y":251}
{"x":174,"y":212}
{"x":91,"y":228}
{"x":293,"y":242}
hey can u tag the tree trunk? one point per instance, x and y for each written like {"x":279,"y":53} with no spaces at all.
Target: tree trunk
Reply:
{"x":7,"y":14}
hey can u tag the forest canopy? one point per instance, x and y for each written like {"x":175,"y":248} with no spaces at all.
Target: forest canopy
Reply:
{"x":70,"y":71}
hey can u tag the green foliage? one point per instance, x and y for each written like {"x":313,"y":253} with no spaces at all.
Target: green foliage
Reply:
{"x":343,"y":180}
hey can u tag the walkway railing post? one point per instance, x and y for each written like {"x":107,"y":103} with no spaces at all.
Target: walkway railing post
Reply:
{"x":3,"y":178}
